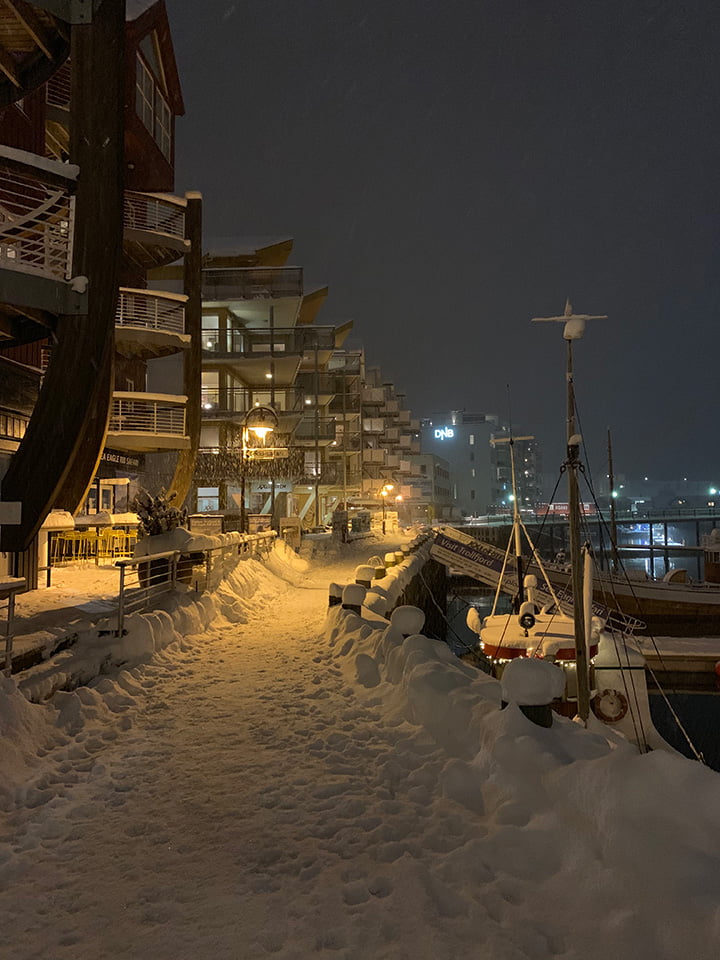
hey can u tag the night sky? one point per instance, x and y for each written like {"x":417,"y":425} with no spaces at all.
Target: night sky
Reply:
{"x":452,"y":168}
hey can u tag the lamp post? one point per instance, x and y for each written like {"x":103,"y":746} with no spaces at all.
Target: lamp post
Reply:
{"x":259,"y":421}
{"x":387,"y":487}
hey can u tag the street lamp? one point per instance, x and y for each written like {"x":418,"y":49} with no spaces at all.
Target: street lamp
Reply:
{"x":387,"y":487}
{"x":258,"y":422}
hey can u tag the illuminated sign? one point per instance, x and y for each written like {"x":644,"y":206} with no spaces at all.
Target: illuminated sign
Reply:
{"x":444,"y":433}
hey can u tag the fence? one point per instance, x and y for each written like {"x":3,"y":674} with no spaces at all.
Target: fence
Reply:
{"x":144,"y":579}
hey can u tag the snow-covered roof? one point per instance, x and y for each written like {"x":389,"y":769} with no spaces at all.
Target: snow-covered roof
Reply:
{"x":235,"y":246}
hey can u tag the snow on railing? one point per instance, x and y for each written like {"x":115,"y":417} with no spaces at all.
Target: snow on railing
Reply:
{"x":154,"y":311}
{"x":133,"y":415}
{"x":36,"y":222}
{"x":144,"y":579}
{"x":144,"y":211}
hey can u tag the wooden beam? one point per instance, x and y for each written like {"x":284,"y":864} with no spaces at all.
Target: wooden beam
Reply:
{"x":9,"y":67}
{"x":28,"y":19}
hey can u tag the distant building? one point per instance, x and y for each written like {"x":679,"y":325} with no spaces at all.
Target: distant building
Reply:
{"x":463,"y":440}
{"x":528,"y":471}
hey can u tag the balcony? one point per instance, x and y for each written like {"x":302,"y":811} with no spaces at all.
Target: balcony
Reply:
{"x":373,"y":395}
{"x":147,"y":422}
{"x":374,"y":456}
{"x":252,"y":283}
{"x":215,"y":465}
{"x":150,"y":324}
{"x":153,"y":229}
{"x":321,"y":385}
{"x":391,"y":435}
{"x":313,"y":430}
{"x":228,"y":403}
{"x":36,"y":232}
{"x":250,"y":352}
{"x":12,"y":429}
{"x":373,"y":425}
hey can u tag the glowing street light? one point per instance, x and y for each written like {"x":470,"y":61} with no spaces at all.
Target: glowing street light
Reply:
{"x":259,"y":421}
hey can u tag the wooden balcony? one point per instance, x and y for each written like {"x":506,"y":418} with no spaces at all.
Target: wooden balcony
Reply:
{"x":149,"y":323}
{"x":33,"y":44}
{"x":153,"y":229}
{"x":147,"y":422}
{"x":37,"y":223}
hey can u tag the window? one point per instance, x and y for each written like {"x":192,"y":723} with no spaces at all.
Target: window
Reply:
{"x":208,"y":499}
{"x":472,"y":494}
{"x":472,"y":458}
{"x":472,"y":439}
{"x":152,"y":108}
{"x":472,"y":471}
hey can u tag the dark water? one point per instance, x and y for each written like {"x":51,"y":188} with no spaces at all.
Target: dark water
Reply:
{"x":699,"y":712}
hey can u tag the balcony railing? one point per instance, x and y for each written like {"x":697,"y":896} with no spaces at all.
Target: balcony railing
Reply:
{"x":57,"y":89}
{"x":150,"y":310}
{"x":13,"y":425}
{"x":310,"y":429}
{"x":36,"y":217}
{"x":238,"y":400}
{"x":322,"y":383}
{"x":154,"y":214}
{"x":252,"y":343}
{"x":252,"y":283}
{"x":131,"y":413}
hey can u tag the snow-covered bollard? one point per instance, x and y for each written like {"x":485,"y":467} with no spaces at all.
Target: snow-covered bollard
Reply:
{"x":364,"y":574}
{"x":408,"y":620}
{"x":353,"y":596}
{"x":335,"y":592}
{"x":390,"y":560}
{"x":533,"y":684}
{"x":399,"y":556}
{"x":377,"y":602}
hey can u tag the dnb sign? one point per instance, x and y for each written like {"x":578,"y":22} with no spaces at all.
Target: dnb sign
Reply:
{"x":444,"y":433}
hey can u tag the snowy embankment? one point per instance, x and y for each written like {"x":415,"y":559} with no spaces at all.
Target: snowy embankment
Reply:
{"x":285,"y":782}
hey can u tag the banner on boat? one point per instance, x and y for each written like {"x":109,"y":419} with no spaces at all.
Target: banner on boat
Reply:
{"x":489,"y":565}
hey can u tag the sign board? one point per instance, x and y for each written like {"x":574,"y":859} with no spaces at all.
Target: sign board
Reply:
{"x":444,"y":433}
{"x":10,"y":512}
{"x":125,"y":461}
{"x":208,"y":523}
{"x":485,"y":563}
{"x":259,"y":522}
{"x":265,"y":486}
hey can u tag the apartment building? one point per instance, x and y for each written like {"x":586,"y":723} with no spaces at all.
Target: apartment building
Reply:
{"x":87,"y":210}
{"x":266,"y":361}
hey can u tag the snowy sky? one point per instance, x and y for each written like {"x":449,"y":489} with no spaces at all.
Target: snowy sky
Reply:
{"x":454,"y":169}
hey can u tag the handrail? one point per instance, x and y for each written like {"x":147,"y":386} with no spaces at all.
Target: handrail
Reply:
{"x":150,"y":309}
{"x":36,"y":219}
{"x":146,"y":416}
{"x":154,"y":213}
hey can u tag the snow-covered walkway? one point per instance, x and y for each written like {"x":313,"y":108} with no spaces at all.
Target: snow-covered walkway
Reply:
{"x":239,"y":796}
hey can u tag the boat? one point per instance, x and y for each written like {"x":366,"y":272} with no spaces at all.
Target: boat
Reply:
{"x":566,"y":631}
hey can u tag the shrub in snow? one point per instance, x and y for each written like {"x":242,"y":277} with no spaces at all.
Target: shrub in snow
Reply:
{"x":156,"y":514}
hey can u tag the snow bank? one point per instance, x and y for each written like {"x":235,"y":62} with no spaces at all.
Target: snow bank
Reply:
{"x":632,"y":838}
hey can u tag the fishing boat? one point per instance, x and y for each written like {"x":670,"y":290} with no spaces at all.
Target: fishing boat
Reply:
{"x":575,"y":639}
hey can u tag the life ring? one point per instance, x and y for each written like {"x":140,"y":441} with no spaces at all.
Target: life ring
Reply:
{"x":610,"y":706}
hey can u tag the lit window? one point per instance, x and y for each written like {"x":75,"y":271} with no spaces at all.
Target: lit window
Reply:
{"x":472,"y":439}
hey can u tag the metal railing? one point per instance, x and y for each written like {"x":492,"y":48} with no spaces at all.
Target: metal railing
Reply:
{"x":251,"y":283}
{"x":153,"y":311}
{"x":36,"y":222}
{"x":145,"y":579}
{"x":8,"y":590}
{"x":215,"y":400}
{"x":309,"y":429}
{"x":57,"y":89}
{"x":251,"y":343}
{"x":13,"y":425}
{"x":134,"y":415}
{"x":142,"y":211}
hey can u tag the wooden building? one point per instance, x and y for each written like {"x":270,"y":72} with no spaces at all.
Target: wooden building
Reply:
{"x":87,"y":114}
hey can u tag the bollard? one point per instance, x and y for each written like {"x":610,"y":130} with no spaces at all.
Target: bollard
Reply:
{"x":390,"y":559}
{"x":408,"y":620}
{"x":335,"y":592}
{"x":364,"y":575}
{"x":353,"y":596}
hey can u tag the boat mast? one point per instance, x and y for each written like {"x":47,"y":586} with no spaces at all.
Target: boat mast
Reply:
{"x":613,"y":518}
{"x":573,"y":463}
{"x":573,"y":330}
